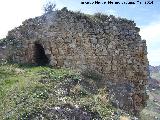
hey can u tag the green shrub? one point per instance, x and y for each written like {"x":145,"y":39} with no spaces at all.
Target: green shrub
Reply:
{"x":91,"y":74}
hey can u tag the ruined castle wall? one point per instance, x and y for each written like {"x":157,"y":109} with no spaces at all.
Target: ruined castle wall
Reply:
{"x":111,"y":46}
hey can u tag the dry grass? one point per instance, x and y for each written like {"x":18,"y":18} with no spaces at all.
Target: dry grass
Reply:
{"x":124,"y":118}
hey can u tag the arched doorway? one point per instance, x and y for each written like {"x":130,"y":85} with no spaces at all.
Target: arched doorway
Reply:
{"x":39,"y":56}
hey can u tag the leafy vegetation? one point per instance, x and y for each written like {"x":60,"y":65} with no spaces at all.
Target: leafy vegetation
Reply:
{"x":49,"y":7}
{"x":151,"y":112}
{"x":156,"y":76}
{"x":3,"y":41}
{"x":26,"y":91}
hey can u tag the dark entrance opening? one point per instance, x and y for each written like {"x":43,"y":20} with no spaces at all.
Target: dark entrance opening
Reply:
{"x":40,"y":58}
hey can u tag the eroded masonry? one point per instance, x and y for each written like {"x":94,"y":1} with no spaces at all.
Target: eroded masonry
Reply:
{"x":111,"y":46}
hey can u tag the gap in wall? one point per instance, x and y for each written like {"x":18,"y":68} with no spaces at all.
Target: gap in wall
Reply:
{"x":39,"y":55}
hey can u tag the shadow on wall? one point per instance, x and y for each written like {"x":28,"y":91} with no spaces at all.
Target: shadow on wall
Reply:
{"x":40,"y":57}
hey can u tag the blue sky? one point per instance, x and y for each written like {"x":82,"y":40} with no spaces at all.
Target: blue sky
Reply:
{"x":146,"y":16}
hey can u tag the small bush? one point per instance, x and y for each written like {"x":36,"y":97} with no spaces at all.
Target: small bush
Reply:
{"x":49,"y":7}
{"x":91,"y":74}
{"x":101,"y":16}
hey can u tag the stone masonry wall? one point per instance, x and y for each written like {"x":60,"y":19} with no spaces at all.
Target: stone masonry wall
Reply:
{"x":111,"y":46}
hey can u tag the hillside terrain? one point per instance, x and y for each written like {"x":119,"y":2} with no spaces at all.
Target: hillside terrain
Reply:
{"x":105,"y":44}
{"x":74,"y":66}
{"x":152,"y":111}
{"x":36,"y":93}
{"x":154,"y":69}
{"x":32,"y":92}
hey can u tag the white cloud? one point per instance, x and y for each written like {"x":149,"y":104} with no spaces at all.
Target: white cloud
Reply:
{"x":153,"y":57}
{"x":13,"y":12}
{"x":112,"y":12}
{"x":151,"y":33}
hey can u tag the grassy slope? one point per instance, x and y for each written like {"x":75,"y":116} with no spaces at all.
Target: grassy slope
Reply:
{"x":21,"y":90}
{"x":155,"y":76}
{"x":153,"y":107}
{"x":26,"y":90}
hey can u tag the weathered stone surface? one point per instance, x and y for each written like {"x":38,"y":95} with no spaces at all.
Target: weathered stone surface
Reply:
{"x":112,"y":47}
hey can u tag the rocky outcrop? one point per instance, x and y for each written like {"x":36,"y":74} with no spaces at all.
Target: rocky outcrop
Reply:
{"x":154,"y":69}
{"x":110,"y":46}
{"x":63,"y":112}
